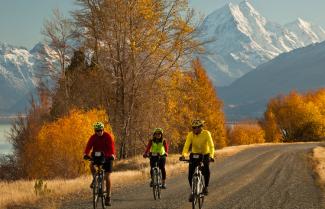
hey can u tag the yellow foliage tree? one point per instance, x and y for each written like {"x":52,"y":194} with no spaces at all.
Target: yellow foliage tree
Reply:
{"x":246,"y":133}
{"x":191,"y":95}
{"x":59,"y":145}
{"x":298,"y":117}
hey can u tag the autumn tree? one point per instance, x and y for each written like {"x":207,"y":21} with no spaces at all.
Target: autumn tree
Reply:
{"x":298,"y":117}
{"x":59,"y":34}
{"x":23,"y":132}
{"x":246,"y":133}
{"x":136,"y":43}
{"x":58,"y":147}
{"x":191,"y":95}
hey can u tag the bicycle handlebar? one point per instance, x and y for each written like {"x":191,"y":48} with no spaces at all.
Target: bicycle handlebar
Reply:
{"x":150,"y":155}
{"x":188,"y":160}
{"x":91,"y":158}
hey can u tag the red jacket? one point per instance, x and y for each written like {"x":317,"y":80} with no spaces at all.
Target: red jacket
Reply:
{"x":104,"y":143}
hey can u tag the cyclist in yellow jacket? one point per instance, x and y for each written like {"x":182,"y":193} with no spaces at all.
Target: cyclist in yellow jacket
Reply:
{"x":202,"y":143}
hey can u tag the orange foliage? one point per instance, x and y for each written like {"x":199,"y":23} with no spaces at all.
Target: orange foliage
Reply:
{"x":192,"y":96}
{"x":297,"y":117}
{"x":246,"y":133}
{"x":59,"y":146}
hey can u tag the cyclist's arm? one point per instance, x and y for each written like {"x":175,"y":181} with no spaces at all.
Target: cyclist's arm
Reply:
{"x":111,"y":144}
{"x":166,"y":147}
{"x":89,"y":145}
{"x":187,"y":144}
{"x":210,"y":145}
{"x":148,"y":147}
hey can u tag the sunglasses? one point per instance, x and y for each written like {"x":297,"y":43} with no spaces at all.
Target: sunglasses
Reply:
{"x":98,"y":130}
{"x":196,"y":127}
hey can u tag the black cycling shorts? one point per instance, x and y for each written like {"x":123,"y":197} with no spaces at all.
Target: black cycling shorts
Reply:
{"x":108,"y":166}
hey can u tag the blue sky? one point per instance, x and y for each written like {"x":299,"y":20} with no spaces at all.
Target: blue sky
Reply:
{"x":21,"y":20}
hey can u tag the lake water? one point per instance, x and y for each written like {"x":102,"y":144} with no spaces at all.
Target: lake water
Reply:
{"x":5,"y":147}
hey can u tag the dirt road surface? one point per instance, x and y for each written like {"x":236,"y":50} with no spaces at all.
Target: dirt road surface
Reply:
{"x":266,"y":177}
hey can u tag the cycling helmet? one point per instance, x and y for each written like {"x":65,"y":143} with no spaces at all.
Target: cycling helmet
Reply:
{"x":197,"y":123}
{"x":98,"y":126}
{"x":158,"y":130}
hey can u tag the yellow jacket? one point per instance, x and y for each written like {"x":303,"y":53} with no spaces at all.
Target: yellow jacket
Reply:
{"x":201,"y":143}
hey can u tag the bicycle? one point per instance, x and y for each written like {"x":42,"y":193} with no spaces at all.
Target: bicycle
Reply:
{"x":197,"y":181}
{"x":98,"y":180}
{"x":156,"y":178}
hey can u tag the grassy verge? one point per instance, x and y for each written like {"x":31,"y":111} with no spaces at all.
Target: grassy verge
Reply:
{"x":130,"y":171}
{"x":319,"y":164}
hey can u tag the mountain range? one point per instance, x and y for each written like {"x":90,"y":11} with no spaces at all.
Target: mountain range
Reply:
{"x":239,"y":39}
{"x":19,"y":72}
{"x":302,"y":70}
{"x":242,"y":59}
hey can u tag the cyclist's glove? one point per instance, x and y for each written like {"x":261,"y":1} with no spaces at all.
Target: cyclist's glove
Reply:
{"x":211,"y":159}
{"x":181,"y":158}
{"x":86,"y":157}
{"x":111,"y":158}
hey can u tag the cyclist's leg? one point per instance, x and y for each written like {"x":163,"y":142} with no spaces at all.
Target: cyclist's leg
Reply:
{"x":108,"y":167}
{"x":93,"y":172}
{"x":152,"y":164}
{"x":191,"y":169}
{"x":162,"y":164}
{"x":206,"y":174}
{"x":108,"y":183}
{"x":206,"y":170}
{"x":92,"y":169}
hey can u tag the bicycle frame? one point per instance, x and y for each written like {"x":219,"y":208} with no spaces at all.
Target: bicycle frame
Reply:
{"x":98,"y":186}
{"x":197,"y":184}
{"x":156,"y":178}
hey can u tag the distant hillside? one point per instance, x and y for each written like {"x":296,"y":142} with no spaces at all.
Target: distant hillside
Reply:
{"x":301,"y":69}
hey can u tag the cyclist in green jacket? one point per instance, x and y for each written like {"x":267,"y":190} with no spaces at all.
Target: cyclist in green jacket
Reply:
{"x":159,"y":146}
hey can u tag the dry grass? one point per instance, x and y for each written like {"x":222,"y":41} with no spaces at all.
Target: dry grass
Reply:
{"x":131,"y":171}
{"x":16,"y":192}
{"x":319,"y":164}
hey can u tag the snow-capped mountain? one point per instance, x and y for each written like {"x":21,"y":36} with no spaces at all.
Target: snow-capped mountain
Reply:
{"x":19,"y":73}
{"x":239,"y":39}
{"x":300,"y":69}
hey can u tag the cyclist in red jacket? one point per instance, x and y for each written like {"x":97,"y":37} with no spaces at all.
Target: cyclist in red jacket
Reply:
{"x":102,"y":142}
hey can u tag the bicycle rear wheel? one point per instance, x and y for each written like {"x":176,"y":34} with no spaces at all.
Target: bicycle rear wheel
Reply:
{"x":95,"y":192}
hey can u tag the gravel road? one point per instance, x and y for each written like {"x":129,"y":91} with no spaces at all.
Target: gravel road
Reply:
{"x":265,"y":177}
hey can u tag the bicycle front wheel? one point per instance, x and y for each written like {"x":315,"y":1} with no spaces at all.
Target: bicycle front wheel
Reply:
{"x":159,"y":183}
{"x":95,"y":192}
{"x":200,"y":201}
{"x":201,"y":195}
{"x":195,"y":194}
{"x":155,"y":187}
{"x":102,"y":195}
